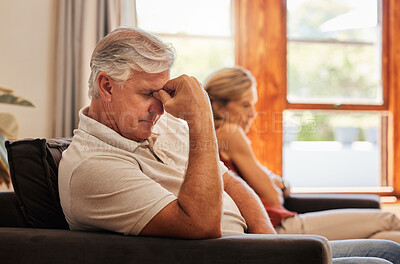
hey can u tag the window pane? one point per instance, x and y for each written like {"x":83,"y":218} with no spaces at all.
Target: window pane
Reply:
{"x":334,"y":52}
{"x":331,"y":149}
{"x":200,"y":57}
{"x":344,"y":20}
{"x":332,"y":73}
{"x":206,"y":17}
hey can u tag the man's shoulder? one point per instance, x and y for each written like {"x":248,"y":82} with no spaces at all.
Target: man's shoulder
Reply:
{"x":105,"y":168}
{"x":88,"y":154}
{"x":92,"y":152}
{"x":84,"y":143}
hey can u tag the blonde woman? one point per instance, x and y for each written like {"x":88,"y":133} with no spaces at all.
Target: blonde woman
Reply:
{"x":233,"y":96}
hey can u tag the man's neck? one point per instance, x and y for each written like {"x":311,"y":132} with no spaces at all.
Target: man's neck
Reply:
{"x":99,"y":112}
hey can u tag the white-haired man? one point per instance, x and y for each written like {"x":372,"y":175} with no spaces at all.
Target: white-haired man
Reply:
{"x":120,"y":174}
{"x":133,"y":169}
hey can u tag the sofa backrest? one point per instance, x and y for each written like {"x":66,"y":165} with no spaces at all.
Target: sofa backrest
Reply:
{"x":34,"y":175}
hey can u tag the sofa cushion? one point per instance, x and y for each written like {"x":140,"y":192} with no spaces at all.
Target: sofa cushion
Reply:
{"x":10,"y":211}
{"x":34,"y":175}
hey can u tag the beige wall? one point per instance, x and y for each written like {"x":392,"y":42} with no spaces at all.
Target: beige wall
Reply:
{"x":27,"y":41}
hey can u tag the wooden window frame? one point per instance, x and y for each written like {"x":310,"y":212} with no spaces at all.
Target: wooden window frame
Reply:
{"x":260,"y":38}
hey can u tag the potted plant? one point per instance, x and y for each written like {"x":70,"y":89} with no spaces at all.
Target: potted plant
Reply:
{"x":8,"y":129}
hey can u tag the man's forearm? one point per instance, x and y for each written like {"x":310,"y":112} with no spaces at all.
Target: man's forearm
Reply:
{"x":249,"y":205}
{"x":197,"y":212}
{"x":201,"y":193}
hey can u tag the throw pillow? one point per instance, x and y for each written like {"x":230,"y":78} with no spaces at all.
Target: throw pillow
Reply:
{"x":34,"y":175}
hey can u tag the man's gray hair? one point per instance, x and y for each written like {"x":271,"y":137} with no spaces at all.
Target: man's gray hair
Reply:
{"x":126,"y":49}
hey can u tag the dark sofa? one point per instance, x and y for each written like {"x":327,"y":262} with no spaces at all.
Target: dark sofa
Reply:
{"x":33,"y":228}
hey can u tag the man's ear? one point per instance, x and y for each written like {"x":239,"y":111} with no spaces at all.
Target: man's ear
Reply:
{"x":105,"y":86}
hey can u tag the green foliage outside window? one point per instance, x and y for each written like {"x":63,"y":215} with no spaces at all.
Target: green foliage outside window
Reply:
{"x":333,"y":72}
{"x":340,"y":65}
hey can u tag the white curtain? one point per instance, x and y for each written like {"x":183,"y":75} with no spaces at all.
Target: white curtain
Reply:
{"x":80,"y":25}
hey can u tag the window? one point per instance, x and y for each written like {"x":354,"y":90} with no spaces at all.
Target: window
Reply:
{"x":334,"y":59}
{"x":333,"y":149}
{"x":334,"y":52}
{"x":262,"y":47}
{"x":200,"y":31}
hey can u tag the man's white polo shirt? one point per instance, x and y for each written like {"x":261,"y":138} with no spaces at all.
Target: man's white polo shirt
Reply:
{"x":109,"y":182}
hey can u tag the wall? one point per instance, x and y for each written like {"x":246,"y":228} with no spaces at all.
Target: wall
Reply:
{"x":27,"y":41}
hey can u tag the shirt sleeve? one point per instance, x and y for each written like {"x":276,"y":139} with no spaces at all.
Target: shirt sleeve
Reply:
{"x":222,"y":169}
{"x":114,"y":194}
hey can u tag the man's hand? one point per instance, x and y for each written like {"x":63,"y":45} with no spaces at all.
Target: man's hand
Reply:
{"x":185,"y":98}
{"x":197,"y":212}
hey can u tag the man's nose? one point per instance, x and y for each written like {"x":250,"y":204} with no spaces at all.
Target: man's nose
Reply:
{"x":156,"y":107}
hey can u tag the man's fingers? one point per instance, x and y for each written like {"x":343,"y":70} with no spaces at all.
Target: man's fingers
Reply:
{"x":162,"y":95}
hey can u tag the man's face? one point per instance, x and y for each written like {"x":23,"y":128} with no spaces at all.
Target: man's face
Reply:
{"x":133,"y":108}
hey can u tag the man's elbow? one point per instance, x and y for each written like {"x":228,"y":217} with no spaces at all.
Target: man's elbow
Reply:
{"x":207,"y":228}
{"x":208,"y":232}
{"x":215,"y":232}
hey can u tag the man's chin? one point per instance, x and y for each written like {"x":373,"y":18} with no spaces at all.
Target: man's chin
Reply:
{"x":139,"y":136}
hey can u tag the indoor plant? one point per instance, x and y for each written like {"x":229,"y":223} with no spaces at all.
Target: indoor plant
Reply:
{"x":8,"y":129}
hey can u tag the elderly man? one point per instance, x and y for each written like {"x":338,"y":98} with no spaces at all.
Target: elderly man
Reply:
{"x":120,"y":175}
{"x":133,"y":169}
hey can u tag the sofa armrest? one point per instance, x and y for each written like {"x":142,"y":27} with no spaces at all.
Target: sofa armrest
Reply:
{"x":24,"y":245}
{"x":303,"y":203}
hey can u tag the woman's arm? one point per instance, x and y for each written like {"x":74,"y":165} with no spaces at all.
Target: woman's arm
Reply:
{"x":233,"y":143}
{"x":249,"y":204}
{"x":281,"y":183}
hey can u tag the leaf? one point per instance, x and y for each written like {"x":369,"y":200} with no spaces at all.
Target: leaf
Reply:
{"x":6,"y":90}
{"x":9,"y":98}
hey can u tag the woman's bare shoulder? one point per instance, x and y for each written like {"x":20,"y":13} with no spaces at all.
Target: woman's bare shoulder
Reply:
{"x":229,"y":129}
{"x":231,"y":132}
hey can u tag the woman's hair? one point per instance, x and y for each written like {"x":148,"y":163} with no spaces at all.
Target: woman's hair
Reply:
{"x":228,"y":84}
{"x":126,"y":49}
